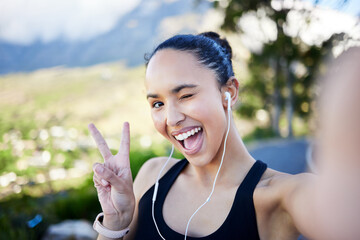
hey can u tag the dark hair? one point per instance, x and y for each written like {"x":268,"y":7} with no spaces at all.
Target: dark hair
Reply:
{"x":210,"y":50}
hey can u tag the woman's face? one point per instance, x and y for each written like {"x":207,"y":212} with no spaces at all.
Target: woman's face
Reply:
{"x":186,"y":104}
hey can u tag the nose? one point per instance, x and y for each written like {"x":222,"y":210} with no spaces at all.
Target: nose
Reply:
{"x":174,"y":116}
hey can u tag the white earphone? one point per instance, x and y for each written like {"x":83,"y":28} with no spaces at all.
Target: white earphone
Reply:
{"x":228,"y":98}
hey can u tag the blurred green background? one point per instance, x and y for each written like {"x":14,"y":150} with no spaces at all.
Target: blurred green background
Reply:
{"x":46,"y":153}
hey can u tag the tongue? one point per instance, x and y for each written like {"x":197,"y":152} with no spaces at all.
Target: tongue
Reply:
{"x":191,"y":141}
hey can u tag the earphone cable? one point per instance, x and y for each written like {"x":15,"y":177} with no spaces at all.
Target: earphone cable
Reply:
{"x":156,"y":189}
{"x":216,"y":176}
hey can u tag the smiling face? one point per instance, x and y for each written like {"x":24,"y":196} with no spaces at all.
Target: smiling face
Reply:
{"x":186,"y":104}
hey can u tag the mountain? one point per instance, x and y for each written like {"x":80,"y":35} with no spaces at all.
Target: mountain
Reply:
{"x":135,"y":34}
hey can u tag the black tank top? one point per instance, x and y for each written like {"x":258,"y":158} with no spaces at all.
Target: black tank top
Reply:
{"x":239,"y":224}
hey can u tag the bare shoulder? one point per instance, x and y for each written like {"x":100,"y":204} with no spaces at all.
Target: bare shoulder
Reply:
{"x":290,"y":183}
{"x":278,"y":187}
{"x":294,"y":190}
{"x":148,"y":173}
{"x":280,"y":200}
{"x":275,"y":179}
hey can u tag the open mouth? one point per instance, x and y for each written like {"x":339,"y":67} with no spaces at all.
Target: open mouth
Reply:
{"x":190,"y":139}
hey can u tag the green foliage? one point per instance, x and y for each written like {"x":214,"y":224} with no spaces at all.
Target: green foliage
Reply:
{"x":16,"y":228}
{"x":75,"y":203}
{"x":235,"y":9}
{"x":259,"y":133}
{"x":12,"y":120}
{"x":81,"y":203}
{"x":138,"y":158}
{"x":274,"y":82}
{"x":6,"y":159}
{"x":14,"y":214}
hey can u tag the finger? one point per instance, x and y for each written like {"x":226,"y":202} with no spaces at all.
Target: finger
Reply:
{"x":125,"y":174}
{"x":125,"y":145}
{"x":109,"y":176}
{"x":98,"y":179}
{"x":100,"y":142}
{"x":98,"y":182}
{"x":100,"y":187}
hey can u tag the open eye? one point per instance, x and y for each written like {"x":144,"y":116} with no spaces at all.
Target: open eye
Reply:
{"x":157,"y":104}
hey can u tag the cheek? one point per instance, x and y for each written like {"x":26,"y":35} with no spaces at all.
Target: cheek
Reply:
{"x":209,"y":110}
{"x":159,"y":122}
{"x":213,"y":117}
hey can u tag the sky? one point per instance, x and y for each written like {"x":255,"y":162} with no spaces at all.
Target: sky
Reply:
{"x":352,"y":7}
{"x":24,"y":22}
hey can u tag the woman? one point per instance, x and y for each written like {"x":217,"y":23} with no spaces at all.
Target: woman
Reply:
{"x":187,"y":78}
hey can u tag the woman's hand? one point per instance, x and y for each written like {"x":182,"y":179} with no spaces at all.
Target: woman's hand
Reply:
{"x":113,"y":181}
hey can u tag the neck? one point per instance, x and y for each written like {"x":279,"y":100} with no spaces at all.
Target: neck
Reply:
{"x":237,"y":161}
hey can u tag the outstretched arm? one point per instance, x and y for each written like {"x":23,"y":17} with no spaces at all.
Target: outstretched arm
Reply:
{"x":338,"y":196}
{"x":328,"y":206}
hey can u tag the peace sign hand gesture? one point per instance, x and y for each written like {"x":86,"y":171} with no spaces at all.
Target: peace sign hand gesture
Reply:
{"x":113,"y":181}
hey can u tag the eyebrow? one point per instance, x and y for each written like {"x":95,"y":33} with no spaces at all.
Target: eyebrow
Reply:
{"x":152,"y":96}
{"x":174,"y":90}
{"x":182,"y":86}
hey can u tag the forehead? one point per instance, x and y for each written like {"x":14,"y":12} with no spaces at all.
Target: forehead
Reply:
{"x":169,"y":67}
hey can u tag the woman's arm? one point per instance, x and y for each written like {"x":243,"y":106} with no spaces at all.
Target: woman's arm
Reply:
{"x":328,"y":206}
{"x":338,"y":193}
{"x":299,"y":201}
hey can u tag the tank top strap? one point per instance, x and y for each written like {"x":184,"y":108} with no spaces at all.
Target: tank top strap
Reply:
{"x":169,"y":178}
{"x":253,"y":177}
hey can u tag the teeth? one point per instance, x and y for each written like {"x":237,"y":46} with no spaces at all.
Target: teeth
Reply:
{"x":179,"y":137}
{"x":189,"y":133}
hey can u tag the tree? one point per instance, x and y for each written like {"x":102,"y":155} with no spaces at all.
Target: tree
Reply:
{"x":283,"y":71}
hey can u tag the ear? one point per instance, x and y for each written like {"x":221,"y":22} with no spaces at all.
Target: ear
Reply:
{"x":231,"y":86}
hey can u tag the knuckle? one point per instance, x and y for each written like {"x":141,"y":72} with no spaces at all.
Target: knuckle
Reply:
{"x":95,"y":166}
{"x":108,"y":174}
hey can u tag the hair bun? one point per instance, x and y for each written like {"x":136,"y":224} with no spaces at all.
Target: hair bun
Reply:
{"x":221,"y":41}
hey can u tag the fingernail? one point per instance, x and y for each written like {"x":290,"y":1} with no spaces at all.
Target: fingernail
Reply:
{"x":104,"y":182}
{"x":99,"y":169}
